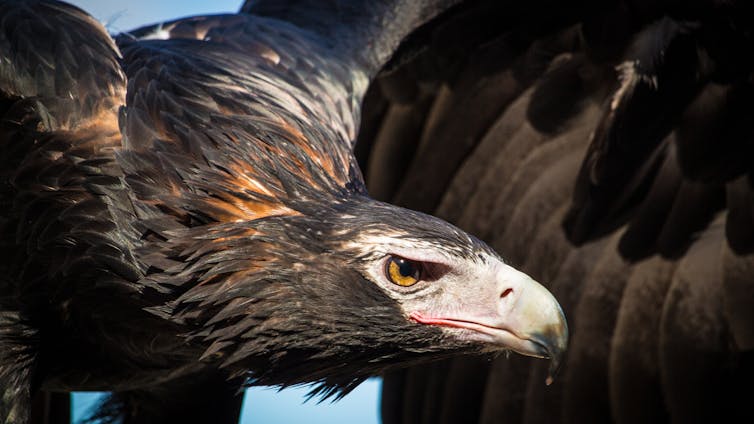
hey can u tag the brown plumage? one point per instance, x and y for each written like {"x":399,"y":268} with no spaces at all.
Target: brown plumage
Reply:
{"x":183,"y":214}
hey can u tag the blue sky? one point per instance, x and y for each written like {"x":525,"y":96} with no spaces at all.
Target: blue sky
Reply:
{"x":266,"y":405}
{"x":261,"y":405}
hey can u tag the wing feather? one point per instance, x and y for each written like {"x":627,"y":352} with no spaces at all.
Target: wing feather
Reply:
{"x":64,"y":217}
{"x":669,"y":150}
{"x":230,"y":131}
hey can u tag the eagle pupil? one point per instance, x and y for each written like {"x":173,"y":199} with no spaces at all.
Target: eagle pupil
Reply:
{"x":406,"y":268}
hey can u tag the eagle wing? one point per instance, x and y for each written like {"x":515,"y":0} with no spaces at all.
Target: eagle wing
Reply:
{"x":59,"y":99}
{"x":605,"y":151}
{"x":60,"y":128}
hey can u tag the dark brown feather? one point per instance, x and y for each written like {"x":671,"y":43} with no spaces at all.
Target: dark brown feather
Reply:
{"x":659,"y":77}
{"x":694,"y":351}
{"x":59,"y":129}
{"x":635,"y":388}
{"x":738,"y":295}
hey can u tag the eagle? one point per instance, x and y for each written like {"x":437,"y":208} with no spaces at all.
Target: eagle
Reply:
{"x":183,"y":214}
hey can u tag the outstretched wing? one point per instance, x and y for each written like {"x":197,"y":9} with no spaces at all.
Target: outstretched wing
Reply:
{"x":61,"y":241}
{"x":604,"y":150}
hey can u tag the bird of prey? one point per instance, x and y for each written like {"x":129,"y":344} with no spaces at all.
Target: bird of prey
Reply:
{"x":182,"y":214}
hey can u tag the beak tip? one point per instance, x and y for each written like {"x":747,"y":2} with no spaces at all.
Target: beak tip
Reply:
{"x":554,"y":340}
{"x":554,"y":368}
{"x":551,"y":345}
{"x":556,"y":353}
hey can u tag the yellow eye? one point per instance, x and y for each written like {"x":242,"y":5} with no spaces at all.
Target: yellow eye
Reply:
{"x":402,"y":271}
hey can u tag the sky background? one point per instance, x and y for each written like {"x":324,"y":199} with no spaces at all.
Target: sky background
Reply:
{"x":261,"y":405}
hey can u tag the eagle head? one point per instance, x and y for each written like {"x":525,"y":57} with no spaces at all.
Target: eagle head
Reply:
{"x":342,"y":290}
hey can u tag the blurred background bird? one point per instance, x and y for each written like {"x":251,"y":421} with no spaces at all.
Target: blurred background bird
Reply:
{"x":604,"y":148}
{"x":607,"y":148}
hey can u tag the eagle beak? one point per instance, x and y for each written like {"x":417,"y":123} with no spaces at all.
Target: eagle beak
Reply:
{"x":537,"y":317}
{"x":517,"y":313}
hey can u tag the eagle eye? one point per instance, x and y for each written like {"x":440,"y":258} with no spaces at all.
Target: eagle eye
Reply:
{"x":403,"y":272}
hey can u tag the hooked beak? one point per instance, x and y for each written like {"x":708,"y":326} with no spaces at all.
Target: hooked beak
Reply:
{"x":525,"y":318}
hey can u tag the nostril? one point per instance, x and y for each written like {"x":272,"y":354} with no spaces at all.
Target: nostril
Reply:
{"x":506,"y":292}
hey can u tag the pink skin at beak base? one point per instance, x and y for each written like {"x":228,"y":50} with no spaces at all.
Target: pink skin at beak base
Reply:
{"x":534,"y":325}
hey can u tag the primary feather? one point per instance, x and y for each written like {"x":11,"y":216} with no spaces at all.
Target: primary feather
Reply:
{"x":615,"y":167}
